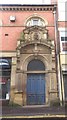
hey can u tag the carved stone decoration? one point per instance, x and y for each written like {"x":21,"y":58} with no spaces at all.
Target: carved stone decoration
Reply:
{"x":36,"y":37}
{"x":35,"y":33}
{"x":26,"y":8}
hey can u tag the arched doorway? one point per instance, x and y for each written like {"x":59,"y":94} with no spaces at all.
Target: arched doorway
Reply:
{"x":35,"y":82}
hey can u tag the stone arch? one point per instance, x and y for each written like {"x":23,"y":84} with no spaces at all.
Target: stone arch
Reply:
{"x":35,"y":16}
{"x":31,"y":57}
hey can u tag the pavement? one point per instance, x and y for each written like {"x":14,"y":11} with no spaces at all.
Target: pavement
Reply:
{"x":32,"y":112}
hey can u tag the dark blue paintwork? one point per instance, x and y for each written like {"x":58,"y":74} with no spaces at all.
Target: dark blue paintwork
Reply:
{"x":36,"y":89}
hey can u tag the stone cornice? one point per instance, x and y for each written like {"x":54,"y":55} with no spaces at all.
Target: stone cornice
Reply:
{"x":28,"y":8}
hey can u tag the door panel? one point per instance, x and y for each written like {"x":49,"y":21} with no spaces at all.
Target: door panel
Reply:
{"x":35,"y":89}
{"x":65,"y":86}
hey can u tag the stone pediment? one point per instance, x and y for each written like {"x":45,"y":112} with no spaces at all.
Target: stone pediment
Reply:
{"x":32,"y":48}
{"x":33,"y":35}
{"x":35,"y":28}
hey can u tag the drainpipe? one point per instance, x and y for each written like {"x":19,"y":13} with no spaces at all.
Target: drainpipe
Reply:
{"x":57,"y":56}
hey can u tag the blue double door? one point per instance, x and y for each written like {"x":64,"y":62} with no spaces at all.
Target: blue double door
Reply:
{"x":35,"y":89}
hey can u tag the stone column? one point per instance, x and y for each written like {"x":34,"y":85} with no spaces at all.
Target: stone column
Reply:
{"x":24,"y":83}
{"x":13,"y":77}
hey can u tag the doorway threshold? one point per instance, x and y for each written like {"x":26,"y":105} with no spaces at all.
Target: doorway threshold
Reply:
{"x":35,"y":106}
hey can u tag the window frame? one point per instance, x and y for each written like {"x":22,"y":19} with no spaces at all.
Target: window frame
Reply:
{"x":5,"y":75}
{"x":63,"y":33}
{"x":63,"y":43}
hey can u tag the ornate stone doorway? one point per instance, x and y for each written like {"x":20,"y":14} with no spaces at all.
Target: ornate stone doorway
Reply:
{"x":34,"y":66}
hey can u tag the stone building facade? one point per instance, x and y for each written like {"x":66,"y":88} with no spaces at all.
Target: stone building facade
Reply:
{"x":28,"y":45}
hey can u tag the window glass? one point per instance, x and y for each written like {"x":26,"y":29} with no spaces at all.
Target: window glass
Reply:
{"x":64,"y":43}
{"x":5,"y":75}
{"x":4,"y":88}
{"x":35,"y":65}
{"x":63,"y":38}
{"x":0,"y":86}
{"x":35,"y":22}
{"x":4,"y":91}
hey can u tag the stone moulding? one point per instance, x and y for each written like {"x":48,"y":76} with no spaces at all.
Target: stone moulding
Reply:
{"x":27,"y":8}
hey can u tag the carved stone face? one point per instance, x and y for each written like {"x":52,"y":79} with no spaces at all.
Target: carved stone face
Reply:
{"x":36,"y":36}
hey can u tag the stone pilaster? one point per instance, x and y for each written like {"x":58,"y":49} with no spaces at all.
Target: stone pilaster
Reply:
{"x":13,"y":77}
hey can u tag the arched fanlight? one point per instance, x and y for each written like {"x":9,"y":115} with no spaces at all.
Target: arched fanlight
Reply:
{"x":35,"y":65}
{"x":35,"y":21}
